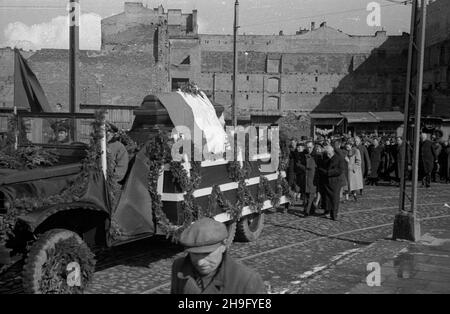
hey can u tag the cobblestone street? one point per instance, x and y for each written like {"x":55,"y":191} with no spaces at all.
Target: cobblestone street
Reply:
{"x":294,"y":254}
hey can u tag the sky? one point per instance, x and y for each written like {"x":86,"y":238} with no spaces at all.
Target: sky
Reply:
{"x":36,"y":24}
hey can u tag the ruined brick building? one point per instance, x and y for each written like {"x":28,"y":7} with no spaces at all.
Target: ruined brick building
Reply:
{"x":316,"y":75}
{"x":437,"y":60}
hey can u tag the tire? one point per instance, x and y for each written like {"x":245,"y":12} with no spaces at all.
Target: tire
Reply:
{"x":249,"y":228}
{"x":231,"y":228}
{"x":59,"y":262}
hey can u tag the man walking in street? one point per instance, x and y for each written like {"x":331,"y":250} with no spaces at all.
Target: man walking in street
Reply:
{"x":399,"y":161}
{"x":343,"y":177}
{"x":208,"y":268}
{"x":427,"y":159}
{"x":437,"y":151}
{"x":331,"y":172}
{"x":308,"y":176}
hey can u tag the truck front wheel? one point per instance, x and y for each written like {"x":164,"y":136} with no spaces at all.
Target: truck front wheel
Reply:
{"x":59,"y":262}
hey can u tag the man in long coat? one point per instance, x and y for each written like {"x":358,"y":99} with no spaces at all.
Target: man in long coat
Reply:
{"x":291,"y":177}
{"x":399,"y":161}
{"x":207,"y":268}
{"x":330,"y":173}
{"x":437,"y":151}
{"x":306,"y":166}
{"x":365,"y":159}
{"x":427,"y":158}
{"x":341,"y":153}
{"x":376,"y":159}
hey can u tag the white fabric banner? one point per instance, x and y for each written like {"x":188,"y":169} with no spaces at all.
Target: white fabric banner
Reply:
{"x":206,"y":119}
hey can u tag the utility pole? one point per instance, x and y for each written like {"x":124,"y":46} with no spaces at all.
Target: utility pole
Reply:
{"x":235,"y":61}
{"x":406,"y":224}
{"x":74,"y":40}
{"x":408,"y":98}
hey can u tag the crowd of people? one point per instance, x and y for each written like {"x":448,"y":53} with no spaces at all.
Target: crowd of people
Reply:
{"x":322,"y":174}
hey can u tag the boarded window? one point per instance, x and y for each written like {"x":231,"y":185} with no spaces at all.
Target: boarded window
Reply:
{"x":273,"y":103}
{"x":273,"y":65}
{"x":273,"y":85}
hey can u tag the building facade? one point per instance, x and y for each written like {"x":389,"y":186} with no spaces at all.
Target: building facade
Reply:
{"x":281,"y":78}
{"x":437,"y":59}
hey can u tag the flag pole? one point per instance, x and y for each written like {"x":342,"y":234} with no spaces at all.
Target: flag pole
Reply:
{"x":74,"y":14}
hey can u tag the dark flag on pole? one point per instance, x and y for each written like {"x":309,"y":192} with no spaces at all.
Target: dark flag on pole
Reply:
{"x":28,"y":93}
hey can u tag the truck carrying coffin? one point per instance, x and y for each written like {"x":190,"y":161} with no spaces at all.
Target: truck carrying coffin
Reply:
{"x":73,"y":208}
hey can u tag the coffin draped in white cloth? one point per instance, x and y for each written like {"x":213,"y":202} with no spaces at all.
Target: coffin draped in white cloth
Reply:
{"x":196,"y":113}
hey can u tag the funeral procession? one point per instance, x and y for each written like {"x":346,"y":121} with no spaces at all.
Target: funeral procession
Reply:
{"x":257,"y":147}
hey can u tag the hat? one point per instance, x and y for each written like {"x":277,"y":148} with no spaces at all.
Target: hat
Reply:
{"x":204,"y":236}
{"x":61,"y":126}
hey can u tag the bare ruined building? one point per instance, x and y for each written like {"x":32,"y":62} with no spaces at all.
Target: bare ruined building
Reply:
{"x":301,"y":76}
{"x":315,"y":74}
{"x":132,"y":63}
{"x":437,"y":60}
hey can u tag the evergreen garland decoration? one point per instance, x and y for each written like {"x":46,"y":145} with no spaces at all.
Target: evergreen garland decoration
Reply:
{"x":27,"y":157}
{"x":72,"y":193}
{"x":218,"y":201}
{"x":54,"y":270}
{"x":157,"y":151}
{"x":180,"y":177}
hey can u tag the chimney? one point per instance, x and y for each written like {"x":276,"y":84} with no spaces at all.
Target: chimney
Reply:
{"x":313,"y":25}
{"x":323,"y":24}
{"x":280,"y":33}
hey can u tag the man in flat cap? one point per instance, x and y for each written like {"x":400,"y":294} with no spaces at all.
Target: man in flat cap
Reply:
{"x":207,"y":268}
{"x":117,"y":153}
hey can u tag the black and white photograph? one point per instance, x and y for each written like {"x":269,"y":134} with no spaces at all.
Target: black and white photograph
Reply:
{"x":234,"y":147}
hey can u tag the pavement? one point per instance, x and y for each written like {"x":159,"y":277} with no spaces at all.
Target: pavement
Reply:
{"x":297,"y":254}
{"x":403,"y":267}
{"x":418,"y":268}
